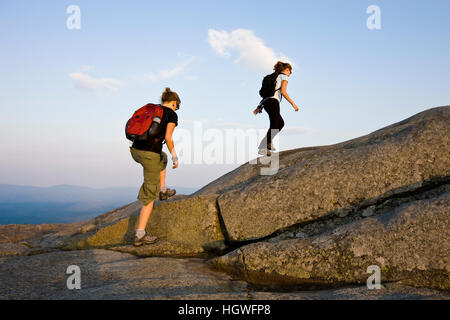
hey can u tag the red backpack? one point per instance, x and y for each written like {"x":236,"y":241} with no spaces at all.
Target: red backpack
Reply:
{"x":145,"y":124}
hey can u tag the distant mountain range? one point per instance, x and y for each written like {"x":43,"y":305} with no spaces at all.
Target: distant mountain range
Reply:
{"x":62,"y":203}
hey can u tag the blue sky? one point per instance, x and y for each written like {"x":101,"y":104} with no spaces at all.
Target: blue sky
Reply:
{"x":66,"y":94}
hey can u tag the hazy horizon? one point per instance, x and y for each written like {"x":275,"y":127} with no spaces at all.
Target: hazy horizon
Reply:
{"x":62,"y":203}
{"x":80,"y":186}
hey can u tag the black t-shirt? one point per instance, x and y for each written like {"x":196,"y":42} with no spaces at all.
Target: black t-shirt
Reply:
{"x":168,"y":116}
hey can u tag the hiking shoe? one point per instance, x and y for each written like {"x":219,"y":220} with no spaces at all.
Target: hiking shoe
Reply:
{"x":264,"y":152}
{"x":147,"y":239}
{"x":166,"y":195}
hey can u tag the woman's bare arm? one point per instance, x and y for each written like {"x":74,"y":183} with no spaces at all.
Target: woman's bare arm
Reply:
{"x":284,"y":93}
{"x":169,"y":142}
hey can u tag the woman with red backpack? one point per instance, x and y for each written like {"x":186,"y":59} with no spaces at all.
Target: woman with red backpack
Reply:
{"x":148,"y":152}
{"x":273,"y":89}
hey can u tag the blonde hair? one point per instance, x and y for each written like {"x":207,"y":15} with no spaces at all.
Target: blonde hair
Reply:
{"x":281,"y":66}
{"x":169,"y":95}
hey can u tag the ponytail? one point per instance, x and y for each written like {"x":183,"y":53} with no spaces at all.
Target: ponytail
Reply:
{"x":168,"y":95}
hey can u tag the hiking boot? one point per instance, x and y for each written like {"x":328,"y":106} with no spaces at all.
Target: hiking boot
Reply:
{"x":166,"y":195}
{"x":147,"y":239}
{"x":264,"y":152}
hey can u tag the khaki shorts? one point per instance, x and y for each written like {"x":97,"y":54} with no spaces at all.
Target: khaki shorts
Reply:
{"x":153,"y":163}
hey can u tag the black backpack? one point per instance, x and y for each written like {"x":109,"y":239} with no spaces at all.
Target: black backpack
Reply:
{"x":268,"y":85}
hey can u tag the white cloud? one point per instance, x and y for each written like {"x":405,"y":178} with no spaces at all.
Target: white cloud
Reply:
{"x":252,"y":51}
{"x":167,"y":74}
{"x":86,"y":82}
{"x":86,"y":68}
{"x":192,"y":78}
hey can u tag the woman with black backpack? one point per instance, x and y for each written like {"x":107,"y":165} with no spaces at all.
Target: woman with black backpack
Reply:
{"x":273,"y":89}
{"x":154,"y":161}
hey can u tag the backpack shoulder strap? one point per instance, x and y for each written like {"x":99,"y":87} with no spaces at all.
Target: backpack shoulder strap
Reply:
{"x":276,"y":80}
{"x":159,"y":111}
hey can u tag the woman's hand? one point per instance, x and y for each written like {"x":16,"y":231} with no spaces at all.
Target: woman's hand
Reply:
{"x":174,"y":161}
{"x":256,"y":111}
{"x":170,"y":145}
{"x":284,"y":93}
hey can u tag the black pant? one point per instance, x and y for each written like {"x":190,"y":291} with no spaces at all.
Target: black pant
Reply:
{"x":272,"y":107}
